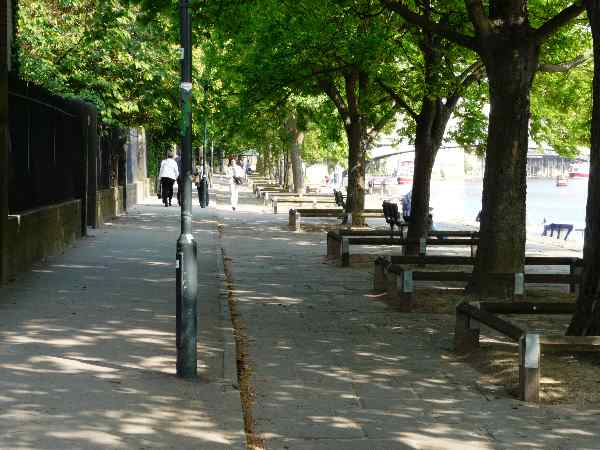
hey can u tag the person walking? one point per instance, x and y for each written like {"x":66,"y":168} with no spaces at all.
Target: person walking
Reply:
{"x":169,"y":172}
{"x":235,"y":174}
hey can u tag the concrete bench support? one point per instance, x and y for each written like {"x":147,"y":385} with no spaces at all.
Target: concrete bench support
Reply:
{"x":345,"y":252}
{"x":466,"y":334}
{"x":529,"y":367}
{"x":380,"y":278}
{"x":334,"y":247}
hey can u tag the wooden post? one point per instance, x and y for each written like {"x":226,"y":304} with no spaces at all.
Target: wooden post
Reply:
{"x":345,"y":252}
{"x":315,"y":204}
{"x":379,"y":275}
{"x":529,"y":367}
{"x":275,"y":206}
{"x":292,"y":219}
{"x":266,"y":198}
{"x":466,"y":333}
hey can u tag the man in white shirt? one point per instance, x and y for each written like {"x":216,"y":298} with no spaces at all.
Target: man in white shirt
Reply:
{"x":169,"y":172}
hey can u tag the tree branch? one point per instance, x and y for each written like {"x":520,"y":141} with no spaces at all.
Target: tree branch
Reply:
{"x":398,"y":99}
{"x":399,"y":7}
{"x":478,"y":17}
{"x":562,"y":18}
{"x":565,"y":66}
{"x":333,"y":93}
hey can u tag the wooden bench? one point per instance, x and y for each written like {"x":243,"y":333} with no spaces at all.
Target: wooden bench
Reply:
{"x":262,"y":191}
{"x":531,"y":344}
{"x":423,"y":243}
{"x":334,"y":238}
{"x":272,"y":196}
{"x":295,"y":215}
{"x":328,"y":202}
{"x":398,"y":281}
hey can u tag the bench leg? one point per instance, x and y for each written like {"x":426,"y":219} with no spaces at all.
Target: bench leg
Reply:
{"x":345,"y":252}
{"x":466,"y":334}
{"x":403,"y":290}
{"x":519,"y":287}
{"x":529,"y":367}
{"x":379,"y":276}
{"x":473,"y":251}
{"x":334,"y":248}
{"x":292,"y":219}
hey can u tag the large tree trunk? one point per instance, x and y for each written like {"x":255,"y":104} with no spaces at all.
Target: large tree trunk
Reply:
{"x":431,"y":126}
{"x":586,"y":321}
{"x":357,"y":152}
{"x":296,"y":139}
{"x":4,"y":146}
{"x":510,"y":73}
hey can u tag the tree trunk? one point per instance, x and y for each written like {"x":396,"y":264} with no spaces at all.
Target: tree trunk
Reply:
{"x":296,"y":139}
{"x":425,"y":151}
{"x":357,"y":152}
{"x":288,"y":174}
{"x":510,"y":73}
{"x":586,"y":320}
{"x":4,"y":172}
{"x":431,"y":126}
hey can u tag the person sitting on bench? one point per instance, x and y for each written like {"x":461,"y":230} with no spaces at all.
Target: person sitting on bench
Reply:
{"x":558,"y":227}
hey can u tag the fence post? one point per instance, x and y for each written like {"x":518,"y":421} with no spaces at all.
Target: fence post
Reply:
{"x":406,"y":290}
{"x":529,"y":367}
{"x":4,"y":136}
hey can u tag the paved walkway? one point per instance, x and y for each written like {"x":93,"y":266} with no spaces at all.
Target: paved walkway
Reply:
{"x":87,"y":351}
{"x":333,"y":368}
{"x":87,"y":346}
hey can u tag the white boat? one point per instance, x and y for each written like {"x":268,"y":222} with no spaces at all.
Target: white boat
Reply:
{"x":579,"y":170}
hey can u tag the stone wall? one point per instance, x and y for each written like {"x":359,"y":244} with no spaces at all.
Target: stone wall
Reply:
{"x":109,"y":204}
{"x":39,"y":233}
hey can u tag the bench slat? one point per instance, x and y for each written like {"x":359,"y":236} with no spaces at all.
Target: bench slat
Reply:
{"x":528,"y":308}
{"x":503,"y":326}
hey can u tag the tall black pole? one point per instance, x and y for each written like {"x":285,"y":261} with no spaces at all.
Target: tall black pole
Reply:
{"x":187,"y":264}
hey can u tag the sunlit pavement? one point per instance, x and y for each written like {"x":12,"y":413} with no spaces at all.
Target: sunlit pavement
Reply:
{"x":87,"y":346}
{"x":87,"y":351}
{"x":333,"y":368}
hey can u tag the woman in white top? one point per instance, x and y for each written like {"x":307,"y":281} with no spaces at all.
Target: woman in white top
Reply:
{"x":234,"y":171}
{"x":169,"y":172}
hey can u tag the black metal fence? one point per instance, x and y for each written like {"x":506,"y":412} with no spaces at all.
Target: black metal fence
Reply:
{"x":49,"y":149}
{"x":111,"y":157}
{"x":47,"y":164}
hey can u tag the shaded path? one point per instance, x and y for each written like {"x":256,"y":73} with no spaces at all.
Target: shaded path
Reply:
{"x":87,"y":346}
{"x":335,"y":369}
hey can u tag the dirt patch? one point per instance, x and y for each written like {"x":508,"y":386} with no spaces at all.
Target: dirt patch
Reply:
{"x":244,"y":371}
{"x":567,"y":378}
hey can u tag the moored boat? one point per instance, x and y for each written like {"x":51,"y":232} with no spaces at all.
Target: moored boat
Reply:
{"x":579,"y":170}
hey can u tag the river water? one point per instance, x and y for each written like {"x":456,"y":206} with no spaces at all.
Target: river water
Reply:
{"x":459,"y":201}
